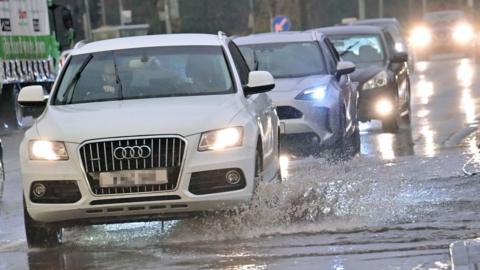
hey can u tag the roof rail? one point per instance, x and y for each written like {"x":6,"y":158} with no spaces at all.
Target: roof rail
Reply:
{"x":80,"y":44}
{"x":221,"y":35}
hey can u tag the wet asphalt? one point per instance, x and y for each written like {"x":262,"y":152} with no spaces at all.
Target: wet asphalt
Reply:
{"x":397,"y":205}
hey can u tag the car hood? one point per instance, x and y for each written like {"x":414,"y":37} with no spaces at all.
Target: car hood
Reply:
{"x":300,"y":84}
{"x":181,"y":115}
{"x":364,"y":74}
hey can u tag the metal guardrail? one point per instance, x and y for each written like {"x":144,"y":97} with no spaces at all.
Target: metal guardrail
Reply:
{"x":465,"y":255}
{"x":24,"y":71}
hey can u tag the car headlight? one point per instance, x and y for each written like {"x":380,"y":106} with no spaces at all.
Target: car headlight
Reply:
{"x":379,"y":80}
{"x":47,"y":150}
{"x":221,"y":139}
{"x":315,"y":93}
{"x":463,"y":33}
{"x":420,"y":36}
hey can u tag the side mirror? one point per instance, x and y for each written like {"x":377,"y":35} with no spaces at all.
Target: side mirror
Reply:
{"x":259,"y":82}
{"x":344,"y":68}
{"x":399,"y":57}
{"x":32,"y":96}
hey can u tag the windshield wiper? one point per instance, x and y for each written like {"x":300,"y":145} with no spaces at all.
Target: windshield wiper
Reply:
{"x":76,"y":77}
{"x":349,"y":48}
{"x":117,"y":78}
{"x":255,"y":60}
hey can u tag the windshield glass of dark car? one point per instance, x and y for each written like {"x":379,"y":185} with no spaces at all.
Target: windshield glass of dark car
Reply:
{"x":285,"y":60}
{"x":363,"y":50}
{"x":144,"y":73}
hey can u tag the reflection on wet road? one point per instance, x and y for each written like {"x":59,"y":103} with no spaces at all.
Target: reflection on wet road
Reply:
{"x":397,"y":206}
{"x":445,"y":111}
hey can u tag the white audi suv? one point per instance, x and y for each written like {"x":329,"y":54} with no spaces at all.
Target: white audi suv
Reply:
{"x":145,"y":128}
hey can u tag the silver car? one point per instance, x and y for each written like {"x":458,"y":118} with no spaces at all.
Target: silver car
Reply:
{"x":315,"y":98}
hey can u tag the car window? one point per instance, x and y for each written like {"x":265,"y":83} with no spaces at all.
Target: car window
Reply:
{"x":391,"y":45}
{"x":333,"y":50}
{"x":145,"y":73}
{"x":331,"y":58}
{"x":284,"y":60}
{"x":240,"y":64}
{"x":363,"y":50}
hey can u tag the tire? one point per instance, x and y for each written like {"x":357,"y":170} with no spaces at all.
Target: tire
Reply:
{"x":390,"y":125}
{"x":2,"y":177}
{"x":258,"y":177}
{"x":406,"y":118}
{"x":12,"y":111}
{"x":340,"y":137}
{"x":41,"y":235}
{"x":258,"y":166}
{"x":353,"y":144}
{"x":279,"y":171}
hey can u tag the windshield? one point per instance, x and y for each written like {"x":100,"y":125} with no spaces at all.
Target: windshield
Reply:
{"x":285,"y":60}
{"x":363,"y":50}
{"x":144,"y":73}
{"x":442,"y":18}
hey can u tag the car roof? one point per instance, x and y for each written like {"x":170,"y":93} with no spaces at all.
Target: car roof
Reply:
{"x":443,"y":12}
{"x":349,"y":29}
{"x":150,"y":41}
{"x":280,"y":37}
{"x":378,"y":21}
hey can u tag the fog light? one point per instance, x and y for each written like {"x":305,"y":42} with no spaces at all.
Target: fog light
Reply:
{"x":384,"y":107}
{"x":233,"y":177}
{"x":39,"y":190}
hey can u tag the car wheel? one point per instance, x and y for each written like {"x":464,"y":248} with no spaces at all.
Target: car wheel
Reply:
{"x":2,"y":177}
{"x":390,"y":125}
{"x":406,"y":118}
{"x":279,"y":170}
{"x":258,"y":177}
{"x":40,"y":234}
{"x":340,"y":137}
{"x":341,"y":145}
{"x":353,"y":144}
{"x":12,"y":111}
{"x":258,"y":166}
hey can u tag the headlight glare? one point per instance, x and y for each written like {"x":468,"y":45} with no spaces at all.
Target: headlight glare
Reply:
{"x":463,"y":33}
{"x":221,"y":139}
{"x":379,"y":80}
{"x":384,"y":107}
{"x":420,"y":36}
{"x":315,"y":93}
{"x":47,"y":150}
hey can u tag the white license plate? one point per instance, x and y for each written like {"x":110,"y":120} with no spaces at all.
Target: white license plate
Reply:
{"x":133,"y":178}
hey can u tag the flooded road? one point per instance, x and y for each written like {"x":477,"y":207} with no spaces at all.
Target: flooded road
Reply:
{"x":398,"y":205}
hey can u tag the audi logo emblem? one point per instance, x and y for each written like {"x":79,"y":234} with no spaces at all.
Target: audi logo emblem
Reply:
{"x":131,"y":152}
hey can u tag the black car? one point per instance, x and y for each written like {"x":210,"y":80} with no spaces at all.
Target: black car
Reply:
{"x":382,"y":72}
{"x":397,"y":32}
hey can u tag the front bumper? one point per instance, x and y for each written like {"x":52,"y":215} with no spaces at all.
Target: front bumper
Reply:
{"x":93,"y":208}
{"x":368,"y":100}
{"x":315,"y":117}
{"x":443,"y":43}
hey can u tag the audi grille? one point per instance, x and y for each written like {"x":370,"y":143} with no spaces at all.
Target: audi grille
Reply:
{"x":133,"y":154}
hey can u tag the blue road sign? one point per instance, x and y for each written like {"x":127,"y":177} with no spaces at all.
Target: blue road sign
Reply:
{"x":281,"y":23}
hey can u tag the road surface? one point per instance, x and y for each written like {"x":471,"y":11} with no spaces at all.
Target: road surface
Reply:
{"x":398,"y":205}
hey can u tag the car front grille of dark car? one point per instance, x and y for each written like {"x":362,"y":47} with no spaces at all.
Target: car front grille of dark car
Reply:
{"x":99,"y":156}
{"x":288,"y":112}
